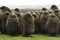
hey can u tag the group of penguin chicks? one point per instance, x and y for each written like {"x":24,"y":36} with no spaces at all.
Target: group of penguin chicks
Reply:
{"x":44,"y":21}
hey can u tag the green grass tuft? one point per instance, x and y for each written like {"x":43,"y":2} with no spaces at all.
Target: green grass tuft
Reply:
{"x":34,"y":37}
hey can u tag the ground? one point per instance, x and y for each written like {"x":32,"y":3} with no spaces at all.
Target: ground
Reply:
{"x":34,"y":37}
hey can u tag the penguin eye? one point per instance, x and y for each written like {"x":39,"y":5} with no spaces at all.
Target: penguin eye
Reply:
{"x":7,"y":13}
{"x":34,"y":15}
{"x":50,"y":12}
{"x":45,"y":13}
{"x":56,"y":12}
{"x":52,"y":16}
{"x":18,"y":15}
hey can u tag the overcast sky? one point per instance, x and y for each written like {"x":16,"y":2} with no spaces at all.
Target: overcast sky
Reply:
{"x":28,"y":3}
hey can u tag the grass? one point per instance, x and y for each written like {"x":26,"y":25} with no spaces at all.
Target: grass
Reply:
{"x":34,"y":37}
